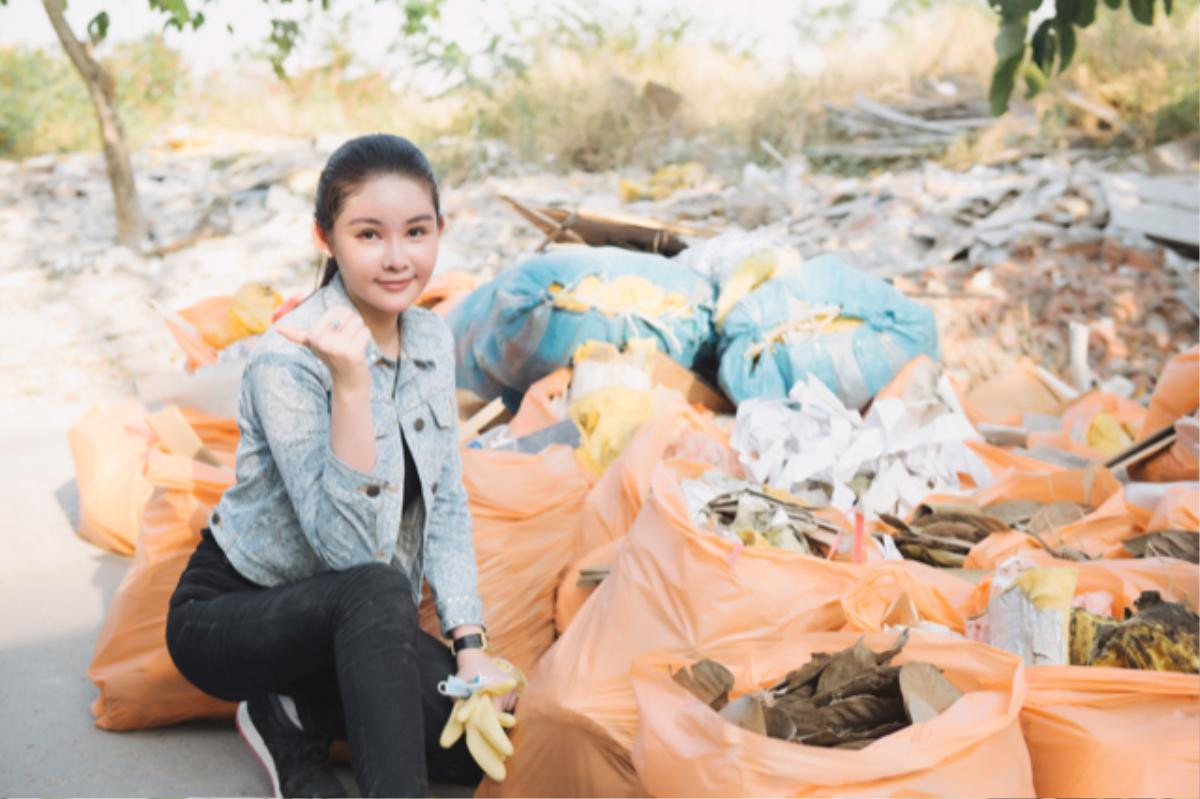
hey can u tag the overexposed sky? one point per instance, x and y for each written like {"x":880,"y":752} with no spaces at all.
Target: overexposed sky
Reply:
{"x":768,"y":23}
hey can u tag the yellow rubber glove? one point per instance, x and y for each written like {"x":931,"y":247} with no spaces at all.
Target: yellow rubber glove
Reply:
{"x":484,"y":725}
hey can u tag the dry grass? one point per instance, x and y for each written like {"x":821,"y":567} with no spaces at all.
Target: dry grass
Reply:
{"x":579,"y":104}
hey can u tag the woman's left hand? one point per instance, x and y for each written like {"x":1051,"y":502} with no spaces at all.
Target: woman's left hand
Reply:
{"x":476,"y":662}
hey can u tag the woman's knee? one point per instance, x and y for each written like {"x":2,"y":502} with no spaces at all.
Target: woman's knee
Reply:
{"x":378,"y":590}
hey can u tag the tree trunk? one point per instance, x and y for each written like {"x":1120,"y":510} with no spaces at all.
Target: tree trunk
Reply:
{"x":131,"y":224}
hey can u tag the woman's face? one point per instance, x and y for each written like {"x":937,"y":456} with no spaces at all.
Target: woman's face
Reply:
{"x":385,"y":241}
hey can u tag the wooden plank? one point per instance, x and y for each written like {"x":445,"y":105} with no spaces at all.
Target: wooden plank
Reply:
{"x":1139,"y":451}
{"x":482,"y":418}
{"x":608,"y":229}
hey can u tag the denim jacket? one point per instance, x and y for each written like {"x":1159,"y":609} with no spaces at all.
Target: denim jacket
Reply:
{"x":298,"y":510}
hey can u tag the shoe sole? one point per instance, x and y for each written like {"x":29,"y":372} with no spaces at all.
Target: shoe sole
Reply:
{"x":258,"y":746}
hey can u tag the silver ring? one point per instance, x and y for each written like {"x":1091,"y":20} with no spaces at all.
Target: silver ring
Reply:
{"x":336,"y":324}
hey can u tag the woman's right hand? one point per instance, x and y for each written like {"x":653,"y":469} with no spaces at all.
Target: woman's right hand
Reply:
{"x":339,"y":338}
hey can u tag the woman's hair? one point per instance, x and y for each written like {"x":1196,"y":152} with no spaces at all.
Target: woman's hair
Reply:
{"x":359,"y":160}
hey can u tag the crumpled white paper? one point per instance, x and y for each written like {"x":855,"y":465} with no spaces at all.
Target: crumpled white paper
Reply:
{"x":905,"y":449}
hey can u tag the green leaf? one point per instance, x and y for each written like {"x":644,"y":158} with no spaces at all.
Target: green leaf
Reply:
{"x":1066,"y":9}
{"x":1143,"y":11}
{"x":1012,"y":9}
{"x":284,"y":33}
{"x":1002,"y":82}
{"x":1086,"y":13}
{"x":97,"y":28}
{"x":1066,"y":44}
{"x":1168,"y":6}
{"x":177,"y":12}
{"x":1113,"y":4}
{"x":1010,"y":41}
{"x":1043,"y":45}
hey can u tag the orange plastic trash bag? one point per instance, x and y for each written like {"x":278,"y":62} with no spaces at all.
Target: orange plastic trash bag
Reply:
{"x":138,"y":682}
{"x":906,"y":592}
{"x":524,"y":514}
{"x":620,"y":492}
{"x":973,"y":748}
{"x":676,"y":589}
{"x":447,"y":290}
{"x":543,"y":405}
{"x":1098,"y":534}
{"x":1176,"y":394}
{"x":1112,"y":732}
{"x":205,"y":328}
{"x":569,"y":599}
{"x":1001,"y":461}
{"x":1179,"y":509}
{"x":109,"y":445}
{"x":1005,"y":398}
{"x":617,"y":498}
{"x":1180,"y":462}
{"x":1096,"y":426}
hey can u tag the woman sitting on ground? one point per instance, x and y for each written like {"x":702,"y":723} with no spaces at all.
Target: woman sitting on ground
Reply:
{"x":301,"y":600}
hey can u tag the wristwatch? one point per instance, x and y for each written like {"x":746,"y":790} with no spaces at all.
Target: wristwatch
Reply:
{"x":471,"y":641}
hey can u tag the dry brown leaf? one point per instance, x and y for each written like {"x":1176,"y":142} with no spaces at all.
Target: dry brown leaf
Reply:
{"x":1180,"y":544}
{"x":853,"y":739}
{"x":802,"y":680}
{"x":1014,"y":512}
{"x":708,"y":680}
{"x":862,"y":712}
{"x":846,"y":665}
{"x":1055,"y":515}
{"x":778,"y":723}
{"x":881,"y":681}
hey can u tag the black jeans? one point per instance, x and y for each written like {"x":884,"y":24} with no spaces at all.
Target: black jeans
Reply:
{"x":344,"y":645}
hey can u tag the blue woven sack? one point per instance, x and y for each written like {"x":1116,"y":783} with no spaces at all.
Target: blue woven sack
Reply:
{"x":779,"y":333}
{"x":531,"y":318}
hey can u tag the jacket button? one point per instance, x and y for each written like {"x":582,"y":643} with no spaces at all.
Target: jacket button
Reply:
{"x":216,"y":519}
{"x":372,"y":491}
{"x":419,"y":425}
{"x":434,"y":488}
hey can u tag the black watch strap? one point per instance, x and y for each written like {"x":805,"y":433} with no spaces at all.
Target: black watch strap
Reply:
{"x":471,"y":641}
